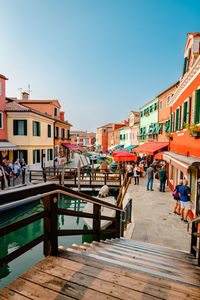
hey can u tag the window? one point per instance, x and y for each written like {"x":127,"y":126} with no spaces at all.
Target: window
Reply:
{"x":50,"y":154}
{"x":141,"y":114}
{"x":19,"y":127}
{"x":186,"y":111}
{"x":63,"y":133}
{"x":55,"y":112}
{"x":186,"y":62}
{"x":36,"y":128}
{"x":166,"y":129}
{"x":171,"y":172}
{"x":36,"y":156}
{"x":161,"y":105}
{"x":155,"y":106}
{"x":68,"y":134}
{"x":196,"y":107}
{"x":133,"y":135}
{"x":0,"y":89}
{"x":56,"y":132}
{"x":1,"y":120}
{"x":49,"y":130}
{"x":159,"y":130}
{"x":168,"y":100}
{"x":120,"y":137}
{"x":104,"y":131}
{"x":151,"y":108}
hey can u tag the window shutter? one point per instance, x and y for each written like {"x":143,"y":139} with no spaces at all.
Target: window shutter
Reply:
{"x":185,"y":104}
{"x":34,"y":156}
{"x":38,"y":156}
{"x":188,"y":60}
{"x":184,"y":66}
{"x":171,"y":123}
{"x":188,"y":109}
{"x":197,"y":107}
{"x":38,"y":128}
{"x":182,"y":111}
{"x":33,"y":127}
{"x":177,"y":120}
{"x":15,"y":127}
{"x":25,"y":127}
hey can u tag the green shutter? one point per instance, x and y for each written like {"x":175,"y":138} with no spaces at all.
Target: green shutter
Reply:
{"x":15,"y":127}
{"x":197,"y":107}
{"x":38,"y":128}
{"x":25,"y":127}
{"x":177,"y":119}
{"x":38,"y":156}
{"x":188,"y":109}
{"x":171,"y":122}
{"x":188,"y":60}
{"x":184,"y":113}
{"x":34,"y":156}
{"x":184,"y":66}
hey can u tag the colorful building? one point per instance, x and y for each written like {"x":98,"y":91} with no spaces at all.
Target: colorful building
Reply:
{"x":184,"y":154}
{"x":134,"y":121}
{"x":6,"y":148}
{"x":32,"y":132}
{"x":83,"y":138}
{"x":148,"y":122}
{"x":164,"y":112}
{"x":61,"y":128}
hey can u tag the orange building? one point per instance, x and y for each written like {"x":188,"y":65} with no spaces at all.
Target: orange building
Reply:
{"x":61,"y":126}
{"x":164,"y":112}
{"x":184,"y":154}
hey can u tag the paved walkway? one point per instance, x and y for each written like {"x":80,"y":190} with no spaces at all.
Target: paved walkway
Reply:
{"x":154,"y":220}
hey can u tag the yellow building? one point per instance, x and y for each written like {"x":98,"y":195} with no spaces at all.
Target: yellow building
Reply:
{"x":32,"y":133}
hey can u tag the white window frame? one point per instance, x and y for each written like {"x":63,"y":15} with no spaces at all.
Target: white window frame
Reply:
{"x":1,"y":93}
{"x":161,"y":106}
{"x":1,"y":114}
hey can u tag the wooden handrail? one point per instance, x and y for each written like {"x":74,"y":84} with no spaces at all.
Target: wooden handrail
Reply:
{"x":195,"y":220}
{"x":195,"y":239}
{"x":124,"y":181}
{"x":129,"y":181}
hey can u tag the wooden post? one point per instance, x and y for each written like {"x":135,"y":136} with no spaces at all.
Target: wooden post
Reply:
{"x":97,"y":222}
{"x":50,"y":225}
{"x":63,"y":175}
{"x":129,"y":181}
{"x":198,"y":258}
{"x":75,"y":174}
{"x":120,"y":191}
{"x":193,"y":239}
{"x":117,"y":223}
{"x":105,"y":179}
{"x":79,"y":175}
{"x":90,"y":177}
{"x":30,"y":176}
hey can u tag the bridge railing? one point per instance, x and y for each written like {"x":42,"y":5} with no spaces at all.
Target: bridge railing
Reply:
{"x":195,"y":239}
{"x":49,"y":193}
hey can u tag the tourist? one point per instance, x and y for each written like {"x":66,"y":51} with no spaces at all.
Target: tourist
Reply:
{"x":2,"y":177}
{"x":184,"y":194}
{"x":136,"y":173}
{"x":17,"y":169}
{"x":129,"y":169}
{"x":8,"y":173}
{"x":23,"y":168}
{"x":176,"y":196}
{"x":150,"y":172}
{"x":163,"y":177}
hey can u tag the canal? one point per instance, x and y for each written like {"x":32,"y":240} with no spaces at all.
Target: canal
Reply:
{"x":20,"y":237}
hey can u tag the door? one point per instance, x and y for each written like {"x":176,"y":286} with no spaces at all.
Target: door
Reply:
{"x":43,"y":158}
{"x":193,"y":182}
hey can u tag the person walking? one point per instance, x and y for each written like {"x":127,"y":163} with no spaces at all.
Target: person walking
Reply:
{"x":23,"y":168}
{"x":176,"y":196}
{"x":129,"y":169}
{"x":163,"y":177}
{"x":184,"y":194}
{"x":150,"y":172}
{"x":136,"y":172}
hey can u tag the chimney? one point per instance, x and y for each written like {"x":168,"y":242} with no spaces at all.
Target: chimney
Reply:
{"x":25,"y":96}
{"x":62,"y":116}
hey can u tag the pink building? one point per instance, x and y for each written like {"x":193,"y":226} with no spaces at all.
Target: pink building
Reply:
{"x":134,"y":120}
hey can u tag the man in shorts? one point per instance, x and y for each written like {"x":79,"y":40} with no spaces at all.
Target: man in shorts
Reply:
{"x":184,"y":193}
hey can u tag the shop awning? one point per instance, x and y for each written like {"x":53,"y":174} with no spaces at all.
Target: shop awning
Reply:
{"x":119,"y":146}
{"x":151,"y":147}
{"x":129,"y":148}
{"x":181,"y":162}
{"x":159,"y":155}
{"x":70,"y":146}
{"x":97,"y":146}
{"x":5,"y":146}
{"x":125,"y":156}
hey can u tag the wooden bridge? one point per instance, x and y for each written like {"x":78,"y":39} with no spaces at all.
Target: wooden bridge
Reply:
{"x":86,"y":178}
{"x":111,"y":269}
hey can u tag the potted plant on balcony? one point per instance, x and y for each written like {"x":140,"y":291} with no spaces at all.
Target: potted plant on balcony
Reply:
{"x":168,"y":135}
{"x":193,"y":129}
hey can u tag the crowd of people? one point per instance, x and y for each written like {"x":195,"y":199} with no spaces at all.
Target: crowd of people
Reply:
{"x":10,"y":171}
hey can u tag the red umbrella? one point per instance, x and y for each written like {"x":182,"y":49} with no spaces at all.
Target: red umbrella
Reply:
{"x":159,"y":155}
{"x":118,"y":152}
{"x":125,"y":156}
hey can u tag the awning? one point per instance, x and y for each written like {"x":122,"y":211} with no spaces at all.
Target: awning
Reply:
{"x":159,"y":155}
{"x":97,"y":146}
{"x":153,"y":130}
{"x":159,"y":128}
{"x":151,"y":147}
{"x":119,"y":146}
{"x":129,"y":148}
{"x":70,"y":146}
{"x":125,"y":156}
{"x":181,"y":162}
{"x":5,"y":146}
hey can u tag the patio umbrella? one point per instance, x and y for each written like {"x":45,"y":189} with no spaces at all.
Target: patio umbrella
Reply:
{"x":117,"y":152}
{"x":125,"y":156}
{"x":159,"y":155}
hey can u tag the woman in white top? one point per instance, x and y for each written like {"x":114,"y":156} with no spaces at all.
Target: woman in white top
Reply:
{"x":136,"y":173}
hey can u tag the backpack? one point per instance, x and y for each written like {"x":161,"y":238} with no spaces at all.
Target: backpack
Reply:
{"x":175,"y":194}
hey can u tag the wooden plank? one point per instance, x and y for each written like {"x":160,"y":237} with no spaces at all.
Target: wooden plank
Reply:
{"x":69,"y":212}
{"x":11,"y":295}
{"x":62,"y":280}
{"x":113,"y":277}
{"x":136,"y":274}
{"x":67,"y":287}
{"x":34,"y":291}
{"x":64,"y":232}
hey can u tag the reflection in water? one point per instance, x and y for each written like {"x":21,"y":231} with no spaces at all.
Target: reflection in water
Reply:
{"x":20,"y":237}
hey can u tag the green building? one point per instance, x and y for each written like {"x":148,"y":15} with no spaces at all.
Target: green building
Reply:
{"x":149,"y":127}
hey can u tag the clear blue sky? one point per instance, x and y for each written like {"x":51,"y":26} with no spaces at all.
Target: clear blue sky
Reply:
{"x":101,"y":59}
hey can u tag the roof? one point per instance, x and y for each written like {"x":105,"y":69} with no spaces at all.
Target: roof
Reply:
{"x":175,"y":84}
{"x":151,"y":147}
{"x":14,"y":106}
{"x":148,"y":103}
{"x":2,"y":76}
{"x":33,"y":101}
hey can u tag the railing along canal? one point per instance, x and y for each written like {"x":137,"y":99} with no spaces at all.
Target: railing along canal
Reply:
{"x":50,"y":195}
{"x":195,"y":239}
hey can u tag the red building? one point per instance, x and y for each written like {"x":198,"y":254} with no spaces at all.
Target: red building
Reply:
{"x":83,"y":138}
{"x":5,"y":146}
{"x":184,"y":154}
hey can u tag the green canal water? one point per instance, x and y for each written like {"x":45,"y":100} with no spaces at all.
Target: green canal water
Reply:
{"x":20,"y":237}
